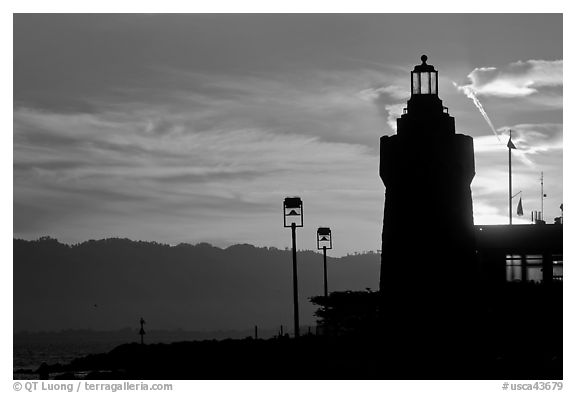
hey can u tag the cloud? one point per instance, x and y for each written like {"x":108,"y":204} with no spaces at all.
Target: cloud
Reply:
{"x":332,"y":105}
{"x":390,"y":100}
{"x":394,"y":91}
{"x":538,"y":82}
{"x":519,"y":79}
{"x":207,"y":156}
{"x":90,"y":175}
{"x":80,"y":146}
{"x":537,"y":138}
{"x":530,"y":140}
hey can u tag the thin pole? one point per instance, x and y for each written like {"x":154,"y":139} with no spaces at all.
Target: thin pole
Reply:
{"x":510,"y":181}
{"x":325,"y":274}
{"x":295,"y":282}
{"x":142,"y":331}
{"x":542,"y":194}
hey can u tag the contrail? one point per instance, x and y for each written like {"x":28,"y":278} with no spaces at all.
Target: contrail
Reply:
{"x":470,"y":93}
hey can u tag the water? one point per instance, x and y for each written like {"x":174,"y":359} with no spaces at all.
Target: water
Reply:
{"x":30,"y":355}
{"x":32,"y":349}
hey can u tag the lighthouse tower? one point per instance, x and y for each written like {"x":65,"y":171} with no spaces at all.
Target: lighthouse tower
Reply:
{"x":428,"y":254}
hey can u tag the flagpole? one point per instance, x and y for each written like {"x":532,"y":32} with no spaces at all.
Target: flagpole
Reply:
{"x":510,"y":179}
{"x":542,"y":194}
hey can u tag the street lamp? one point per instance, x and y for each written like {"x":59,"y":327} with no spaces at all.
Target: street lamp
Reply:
{"x":324,"y":242}
{"x":294,"y":217}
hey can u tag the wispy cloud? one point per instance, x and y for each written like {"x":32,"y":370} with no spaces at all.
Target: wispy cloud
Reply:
{"x":115,"y":174}
{"x":529,"y":139}
{"x":535,"y":81}
{"x":390,"y":99}
{"x":519,"y":79}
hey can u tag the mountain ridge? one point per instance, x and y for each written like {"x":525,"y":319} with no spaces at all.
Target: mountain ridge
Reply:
{"x":111,"y":283}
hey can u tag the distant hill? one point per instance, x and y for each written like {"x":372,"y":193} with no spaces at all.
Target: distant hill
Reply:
{"x":110,"y":283}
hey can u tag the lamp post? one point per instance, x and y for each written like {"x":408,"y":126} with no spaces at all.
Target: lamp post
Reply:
{"x":293,"y":218}
{"x":324,"y":242}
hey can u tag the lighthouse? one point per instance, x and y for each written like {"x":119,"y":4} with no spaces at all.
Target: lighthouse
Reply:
{"x":428,"y":252}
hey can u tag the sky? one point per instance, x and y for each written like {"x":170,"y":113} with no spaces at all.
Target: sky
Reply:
{"x":195,"y":127}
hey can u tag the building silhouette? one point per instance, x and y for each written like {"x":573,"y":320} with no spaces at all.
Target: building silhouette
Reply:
{"x":428,"y":248}
{"x":519,"y":253}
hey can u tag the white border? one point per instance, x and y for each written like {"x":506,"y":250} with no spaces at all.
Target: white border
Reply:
{"x":231,"y":6}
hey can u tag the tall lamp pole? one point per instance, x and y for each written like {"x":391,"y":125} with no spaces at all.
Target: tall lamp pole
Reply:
{"x":324,"y":242}
{"x":293,"y":218}
{"x":510,"y":147}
